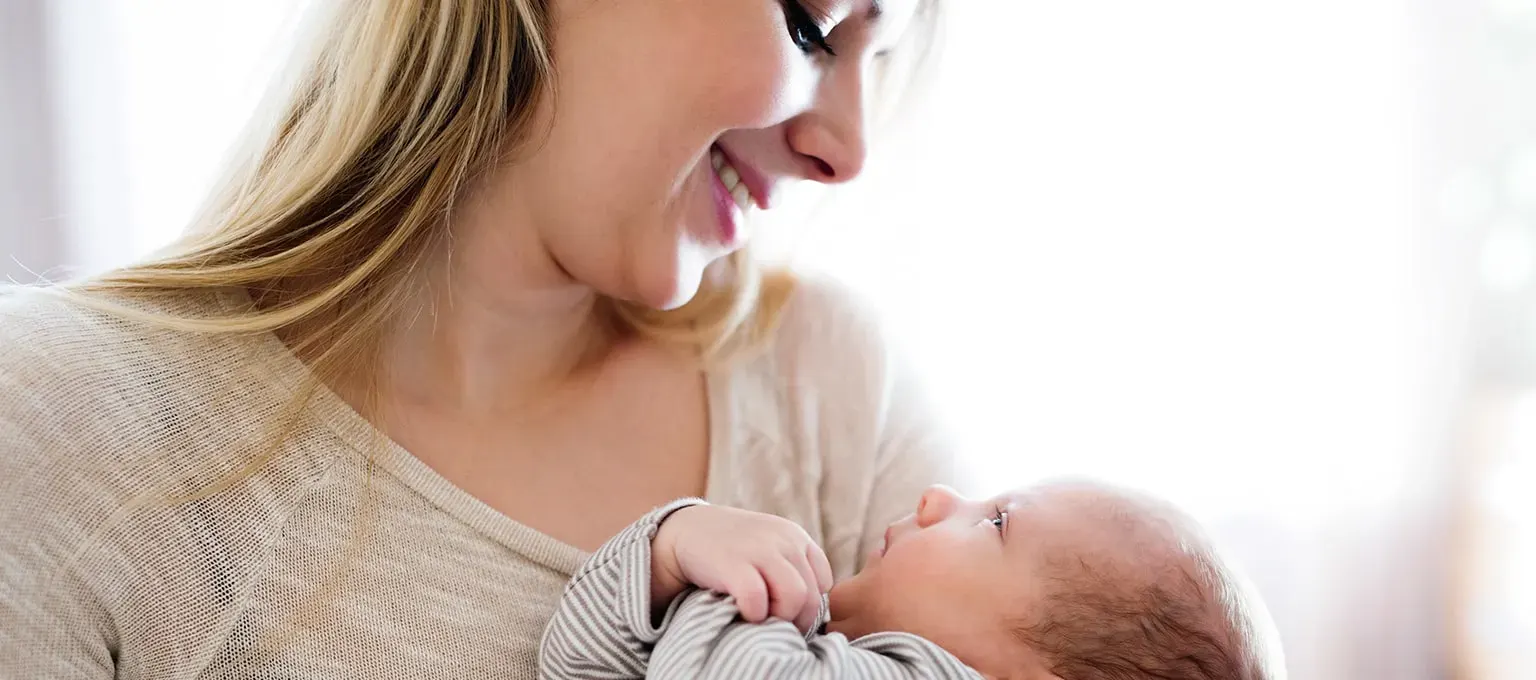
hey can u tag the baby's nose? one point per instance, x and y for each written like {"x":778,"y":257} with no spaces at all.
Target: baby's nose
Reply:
{"x":937,"y":503}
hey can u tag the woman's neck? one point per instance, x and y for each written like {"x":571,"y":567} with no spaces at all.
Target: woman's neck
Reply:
{"x":496,"y":325}
{"x":480,"y":350}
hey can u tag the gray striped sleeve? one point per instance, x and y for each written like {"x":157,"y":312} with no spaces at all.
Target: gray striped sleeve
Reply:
{"x":603,"y":629}
{"x":707,"y":641}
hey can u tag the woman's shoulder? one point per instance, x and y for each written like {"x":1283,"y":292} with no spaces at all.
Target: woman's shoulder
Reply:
{"x":68,"y":366}
{"x":98,"y":407}
{"x":44,"y":316}
{"x":106,"y":425}
{"x":851,"y":438}
{"x":28,"y":311}
{"x":830,"y":330}
{"x":47,"y":338}
{"x":829,"y":355}
{"x":48,"y":332}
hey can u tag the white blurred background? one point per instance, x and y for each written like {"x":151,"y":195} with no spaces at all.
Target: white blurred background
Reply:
{"x":1274,"y":260}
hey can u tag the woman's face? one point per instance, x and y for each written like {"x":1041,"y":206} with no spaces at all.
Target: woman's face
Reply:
{"x":674,"y":120}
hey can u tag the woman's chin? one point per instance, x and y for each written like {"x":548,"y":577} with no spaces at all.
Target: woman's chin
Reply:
{"x":681,"y":284}
{"x":666,"y":293}
{"x":680,"y":290}
{"x":673,"y":280}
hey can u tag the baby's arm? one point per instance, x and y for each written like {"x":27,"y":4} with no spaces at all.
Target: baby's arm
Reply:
{"x":605,"y":625}
{"x":708,"y":641}
{"x":617,"y":605}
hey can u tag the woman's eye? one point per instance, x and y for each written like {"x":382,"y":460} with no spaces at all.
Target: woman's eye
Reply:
{"x":803,"y":30}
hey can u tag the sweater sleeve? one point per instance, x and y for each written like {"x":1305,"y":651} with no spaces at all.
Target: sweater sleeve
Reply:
{"x":54,"y":625}
{"x":707,"y":640}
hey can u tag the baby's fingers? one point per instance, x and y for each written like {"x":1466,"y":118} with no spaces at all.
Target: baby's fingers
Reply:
{"x":820,"y":566}
{"x":751,"y":593}
{"x":810,"y":612}
{"x":810,"y":604}
{"x":786,"y":588}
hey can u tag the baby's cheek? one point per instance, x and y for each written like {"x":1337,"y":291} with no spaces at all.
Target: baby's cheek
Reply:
{"x":935,"y":557}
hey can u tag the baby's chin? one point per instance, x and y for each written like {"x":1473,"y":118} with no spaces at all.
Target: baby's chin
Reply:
{"x":844,"y":606}
{"x":851,"y":628}
{"x":851,"y":610}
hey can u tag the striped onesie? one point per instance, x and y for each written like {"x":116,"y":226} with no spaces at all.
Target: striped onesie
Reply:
{"x":603,"y":628}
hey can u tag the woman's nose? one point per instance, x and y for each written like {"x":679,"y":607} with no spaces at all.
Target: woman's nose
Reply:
{"x":829,"y":139}
{"x":937,"y":503}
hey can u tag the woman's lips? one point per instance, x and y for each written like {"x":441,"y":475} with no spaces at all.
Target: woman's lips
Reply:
{"x":734,"y":195}
{"x":754,"y":181}
{"x":728,"y":214}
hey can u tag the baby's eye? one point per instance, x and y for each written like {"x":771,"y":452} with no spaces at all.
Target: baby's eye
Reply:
{"x":1000,"y":520}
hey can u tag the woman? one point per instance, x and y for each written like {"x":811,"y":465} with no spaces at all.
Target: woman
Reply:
{"x":477,"y":300}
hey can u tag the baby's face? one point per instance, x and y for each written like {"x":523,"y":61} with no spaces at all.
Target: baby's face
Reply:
{"x":962,"y":572}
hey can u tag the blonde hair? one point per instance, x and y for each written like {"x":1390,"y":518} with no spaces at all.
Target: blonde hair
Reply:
{"x":395,"y":112}
{"x":399,"y":107}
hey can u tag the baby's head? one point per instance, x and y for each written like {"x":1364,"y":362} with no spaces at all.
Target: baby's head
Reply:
{"x":1069,"y":580}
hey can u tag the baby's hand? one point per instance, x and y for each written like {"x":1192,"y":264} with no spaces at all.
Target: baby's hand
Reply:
{"x":768,"y":563}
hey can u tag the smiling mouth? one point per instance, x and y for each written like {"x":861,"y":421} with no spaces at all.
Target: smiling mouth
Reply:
{"x":731,"y":178}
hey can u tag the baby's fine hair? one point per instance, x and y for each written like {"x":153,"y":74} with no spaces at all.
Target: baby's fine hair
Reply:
{"x":1177,"y":612}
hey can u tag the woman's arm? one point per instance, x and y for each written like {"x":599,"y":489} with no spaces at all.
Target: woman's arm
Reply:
{"x":54,"y":628}
{"x":51,"y":623}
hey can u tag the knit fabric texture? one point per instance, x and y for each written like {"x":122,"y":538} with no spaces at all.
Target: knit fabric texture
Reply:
{"x":344,"y":556}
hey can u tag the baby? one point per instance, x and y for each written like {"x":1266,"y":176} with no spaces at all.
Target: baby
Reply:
{"x":1064,"y":581}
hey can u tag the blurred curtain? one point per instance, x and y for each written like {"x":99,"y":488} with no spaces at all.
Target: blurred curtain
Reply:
{"x":116,"y":115}
{"x":30,"y":237}
{"x":1490,"y":190}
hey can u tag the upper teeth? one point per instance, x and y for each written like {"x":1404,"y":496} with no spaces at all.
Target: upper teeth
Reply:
{"x":731,"y":178}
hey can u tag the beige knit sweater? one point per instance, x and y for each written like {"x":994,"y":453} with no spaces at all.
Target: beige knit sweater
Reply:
{"x":314,"y":568}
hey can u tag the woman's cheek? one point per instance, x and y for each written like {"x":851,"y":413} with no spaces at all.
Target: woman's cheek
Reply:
{"x":768,"y":83}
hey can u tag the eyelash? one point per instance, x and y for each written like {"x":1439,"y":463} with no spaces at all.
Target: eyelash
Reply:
{"x":999,"y":519}
{"x":803,"y":30}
